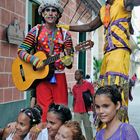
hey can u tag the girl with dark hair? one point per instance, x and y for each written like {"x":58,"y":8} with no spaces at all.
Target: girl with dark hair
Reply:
{"x":27,"y":118}
{"x":57,"y":115}
{"x":107,"y":103}
{"x":70,"y":131}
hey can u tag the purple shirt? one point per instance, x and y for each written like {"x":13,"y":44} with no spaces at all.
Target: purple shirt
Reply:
{"x":124,"y":132}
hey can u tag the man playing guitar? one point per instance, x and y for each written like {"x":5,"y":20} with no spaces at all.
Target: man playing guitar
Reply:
{"x":52,"y":41}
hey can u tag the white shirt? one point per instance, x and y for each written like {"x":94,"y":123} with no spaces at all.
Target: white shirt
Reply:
{"x":10,"y":137}
{"x":43,"y":135}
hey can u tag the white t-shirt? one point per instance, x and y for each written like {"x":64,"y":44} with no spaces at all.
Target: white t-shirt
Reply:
{"x":10,"y":137}
{"x":43,"y":135}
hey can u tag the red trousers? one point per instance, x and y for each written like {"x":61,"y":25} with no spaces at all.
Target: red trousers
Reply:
{"x":47,"y":93}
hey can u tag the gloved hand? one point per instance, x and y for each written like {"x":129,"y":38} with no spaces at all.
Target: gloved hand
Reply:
{"x":40,"y":65}
{"x":67,"y":60}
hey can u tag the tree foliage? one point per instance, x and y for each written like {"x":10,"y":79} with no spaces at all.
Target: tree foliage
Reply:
{"x":96,"y":66}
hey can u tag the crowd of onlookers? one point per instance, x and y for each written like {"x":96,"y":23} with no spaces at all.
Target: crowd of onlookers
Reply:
{"x":48,"y":118}
{"x":59,"y":124}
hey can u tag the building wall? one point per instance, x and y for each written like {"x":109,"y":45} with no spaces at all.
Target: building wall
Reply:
{"x":9,"y":10}
{"x":10,"y":97}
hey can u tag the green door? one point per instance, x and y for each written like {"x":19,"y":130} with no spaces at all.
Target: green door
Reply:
{"x":82,"y":54}
{"x":33,"y":19}
{"x":33,"y":16}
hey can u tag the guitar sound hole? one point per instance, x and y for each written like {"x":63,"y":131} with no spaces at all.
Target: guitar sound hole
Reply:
{"x":22,"y":73}
{"x":34,"y":68}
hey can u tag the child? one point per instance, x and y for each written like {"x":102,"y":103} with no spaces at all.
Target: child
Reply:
{"x":107,"y":103}
{"x":70,"y":131}
{"x":26,"y":119}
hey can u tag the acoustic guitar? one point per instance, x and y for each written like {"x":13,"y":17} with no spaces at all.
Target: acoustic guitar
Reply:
{"x":24,"y":75}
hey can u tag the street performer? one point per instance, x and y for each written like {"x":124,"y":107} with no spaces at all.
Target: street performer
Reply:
{"x":115,"y":16}
{"x":51,"y":40}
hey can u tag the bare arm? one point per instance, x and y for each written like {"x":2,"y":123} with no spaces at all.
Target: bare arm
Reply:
{"x":35,"y":130}
{"x":10,"y":128}
{"x":32,"y":102}
{"x":93,"y":25}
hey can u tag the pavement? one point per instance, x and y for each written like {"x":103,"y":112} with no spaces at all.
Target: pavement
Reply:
{"x":134,"y":108}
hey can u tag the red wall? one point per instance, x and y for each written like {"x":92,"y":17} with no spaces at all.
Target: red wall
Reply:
{"x":9,"y":10}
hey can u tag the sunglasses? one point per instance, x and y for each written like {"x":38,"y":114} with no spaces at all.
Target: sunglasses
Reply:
{"x":53,"y":10}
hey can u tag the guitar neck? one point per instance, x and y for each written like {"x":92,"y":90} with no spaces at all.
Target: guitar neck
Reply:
{"x":82,"y":46}
{"x":51,"y":59}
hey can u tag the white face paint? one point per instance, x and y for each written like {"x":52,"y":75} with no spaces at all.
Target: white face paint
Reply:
{"x":50,"y":14}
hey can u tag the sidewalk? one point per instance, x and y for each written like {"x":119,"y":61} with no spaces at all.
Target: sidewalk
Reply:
{"x":133,"y":108}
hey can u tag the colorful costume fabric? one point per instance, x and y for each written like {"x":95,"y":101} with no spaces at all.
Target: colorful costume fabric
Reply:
{"x":50,"y":42}
{"x":124,"y":132}
{"x":116,"y":61}
{"x":116,"y":39}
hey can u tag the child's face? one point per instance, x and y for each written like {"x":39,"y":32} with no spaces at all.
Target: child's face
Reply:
{"x":53,"y":123}
{"x":23,"y":124}
{"x":64,"y":133}
{"x":105,"y":108}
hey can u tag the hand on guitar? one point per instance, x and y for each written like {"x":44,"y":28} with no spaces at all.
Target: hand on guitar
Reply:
{"x":67,"y":60}
{"x":40,"y":65}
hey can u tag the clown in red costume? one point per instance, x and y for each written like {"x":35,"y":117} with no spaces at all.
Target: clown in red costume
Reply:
{"x":51,"y":40}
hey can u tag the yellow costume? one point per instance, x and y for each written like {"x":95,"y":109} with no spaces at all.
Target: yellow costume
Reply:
{"x":115,"y":66}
